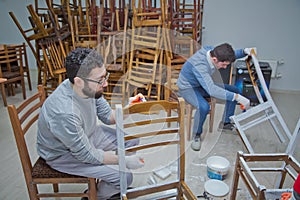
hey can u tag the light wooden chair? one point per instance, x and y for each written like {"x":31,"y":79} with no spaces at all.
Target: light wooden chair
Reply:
{"x":147,"y":122}
{"x":22,"y":118}
{"x":53,"y":56}
{"x":145,"y":63}
{"x":115,"y":60}
{"x":11,"y":70}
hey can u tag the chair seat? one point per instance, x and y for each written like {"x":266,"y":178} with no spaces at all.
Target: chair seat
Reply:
{"x":13,"y":68}
{"x":10,"y":75}
{"x":42,"y":170}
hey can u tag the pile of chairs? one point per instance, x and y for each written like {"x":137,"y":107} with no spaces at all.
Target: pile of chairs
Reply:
{"x":131,"y":38}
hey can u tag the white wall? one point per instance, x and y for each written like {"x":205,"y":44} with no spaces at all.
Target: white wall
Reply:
{"x":9,"y":33}
{"x":270,"y":25}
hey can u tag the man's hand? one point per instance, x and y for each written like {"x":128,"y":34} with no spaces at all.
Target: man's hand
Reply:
{"x":247,"y":51}
{"x":137,"y":98}
{"x":243,"y":101}
{"x":134,"y":162}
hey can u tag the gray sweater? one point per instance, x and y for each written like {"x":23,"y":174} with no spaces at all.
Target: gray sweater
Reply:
{"x":197,"y":72}
{"x":67,"y":123}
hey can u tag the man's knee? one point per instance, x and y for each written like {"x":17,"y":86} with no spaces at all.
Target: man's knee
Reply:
{"x":204,"y":108}
{"x":129,"y":178}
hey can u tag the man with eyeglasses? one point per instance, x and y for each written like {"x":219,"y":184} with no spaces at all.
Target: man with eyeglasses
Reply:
{"x":69,"y":136}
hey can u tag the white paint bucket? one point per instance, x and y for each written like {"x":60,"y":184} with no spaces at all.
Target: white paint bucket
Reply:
{"x":217,"y":167}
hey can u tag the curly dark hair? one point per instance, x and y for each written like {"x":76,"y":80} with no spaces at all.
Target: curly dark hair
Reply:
{"x":81,"y":61}
{"x":223,"y":52}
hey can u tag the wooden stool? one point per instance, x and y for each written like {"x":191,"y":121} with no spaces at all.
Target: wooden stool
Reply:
{"x":189,"y":112}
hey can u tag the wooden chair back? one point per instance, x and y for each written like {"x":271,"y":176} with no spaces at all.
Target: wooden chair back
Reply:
{"x":146,"y":121}
{"x":116,"y":60}
{"x":186,"y":18}
{"x":22,"y":119}
{"x":54,"y":56}
{"x":145,"y":60}
{"x":25,"y":65}
{"x":11,"y":69}
{"x":44,"y":28}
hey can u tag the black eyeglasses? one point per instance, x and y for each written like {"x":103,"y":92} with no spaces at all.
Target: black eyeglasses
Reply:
{"x":100,"y":82}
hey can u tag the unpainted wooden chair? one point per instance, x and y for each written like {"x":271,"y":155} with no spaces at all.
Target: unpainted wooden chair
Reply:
{"x":37,"y":172}
{"x":145,"y":62}
{"x":53,"y":56}
{"x":116,"y":61}
{"x":147,"y":121}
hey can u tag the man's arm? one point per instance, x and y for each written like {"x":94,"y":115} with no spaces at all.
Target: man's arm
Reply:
{"x":239,"y":53}
{"x":113,"y":117}
{"x":110,"y":158}
{"x":67,"y":130}
{"x":132,"y":162}
{"x":104,"y":111}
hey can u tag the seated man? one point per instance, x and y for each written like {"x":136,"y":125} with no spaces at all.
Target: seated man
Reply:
{"x":69,"y":137}
{"x":195,"y":83}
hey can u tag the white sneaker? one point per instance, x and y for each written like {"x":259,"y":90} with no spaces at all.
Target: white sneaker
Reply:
{"x":196,"y":144}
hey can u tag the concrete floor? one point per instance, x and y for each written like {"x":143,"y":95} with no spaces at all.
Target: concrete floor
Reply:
{"x":12,"y":184}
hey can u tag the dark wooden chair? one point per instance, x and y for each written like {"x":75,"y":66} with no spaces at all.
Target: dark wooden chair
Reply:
{"x":22,"y":119}
{"x":11,"y":70}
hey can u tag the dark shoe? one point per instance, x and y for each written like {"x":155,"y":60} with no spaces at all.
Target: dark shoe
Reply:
{"x":85,"y":198}
{"x":115,"y":197}
{"x":226,"y":126}
{"x":196,"y":144}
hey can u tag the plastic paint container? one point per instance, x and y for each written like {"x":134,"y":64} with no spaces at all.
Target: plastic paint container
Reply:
{"x":217,"y":167}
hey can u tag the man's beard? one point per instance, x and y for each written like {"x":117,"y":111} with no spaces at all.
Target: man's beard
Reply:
{"x":91,"y":93}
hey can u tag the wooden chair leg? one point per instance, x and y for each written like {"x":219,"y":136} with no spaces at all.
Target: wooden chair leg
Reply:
{"x":28,"y":80}
{"x":212,"y":114}
{"x":3,"y":94}
{"x":235,"y":181}
{"x":23,"y":89}
{"x":93,"y":189}
{"x":55,"y":187}
{"x":189,"y":113}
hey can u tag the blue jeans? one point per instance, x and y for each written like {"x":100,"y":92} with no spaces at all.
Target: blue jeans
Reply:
{"x":196,"y":97}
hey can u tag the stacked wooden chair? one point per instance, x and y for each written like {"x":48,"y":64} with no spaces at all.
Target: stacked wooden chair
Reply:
{"x":116,"y":61}
{"x":145,"y":64}
{"x":186,"y":18}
